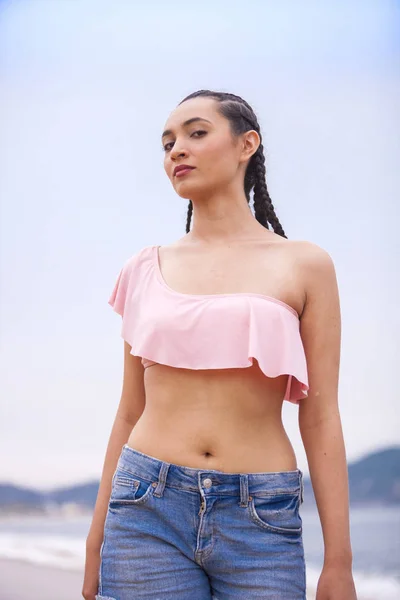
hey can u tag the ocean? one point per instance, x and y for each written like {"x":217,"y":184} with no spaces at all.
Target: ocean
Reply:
{"x":375,"y":536}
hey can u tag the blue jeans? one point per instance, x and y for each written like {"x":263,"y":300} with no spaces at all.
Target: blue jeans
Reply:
{"x":179,"y":533}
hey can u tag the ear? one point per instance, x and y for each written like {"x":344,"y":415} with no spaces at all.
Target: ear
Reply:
{"x":250,"y":143}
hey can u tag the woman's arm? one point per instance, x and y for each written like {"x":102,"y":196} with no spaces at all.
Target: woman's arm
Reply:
{"x":319,"y":417}
{"x":130,"y":408}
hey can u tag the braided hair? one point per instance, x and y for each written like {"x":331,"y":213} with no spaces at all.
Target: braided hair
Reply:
{"x":242,"y":118}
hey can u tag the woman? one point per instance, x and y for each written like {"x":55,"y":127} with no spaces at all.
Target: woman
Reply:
{"x":200,"y":492}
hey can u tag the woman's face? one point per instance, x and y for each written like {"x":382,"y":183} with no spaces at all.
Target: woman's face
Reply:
{"x":206,"y":144}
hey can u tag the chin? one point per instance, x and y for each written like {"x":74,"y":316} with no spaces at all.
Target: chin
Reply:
{"x":187,"y":191}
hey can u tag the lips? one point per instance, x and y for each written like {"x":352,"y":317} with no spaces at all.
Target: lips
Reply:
{"x":181,"y":169}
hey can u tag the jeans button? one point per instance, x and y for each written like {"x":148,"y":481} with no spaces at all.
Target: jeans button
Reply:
{"x":207,"y":482}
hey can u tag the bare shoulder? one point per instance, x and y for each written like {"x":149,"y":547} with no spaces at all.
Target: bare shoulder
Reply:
{"x":311,"y":256}
{"x":312,"y":272}
{"x":320,"y":328}
{"x":306,"y":257}
{"x":321,"y":309}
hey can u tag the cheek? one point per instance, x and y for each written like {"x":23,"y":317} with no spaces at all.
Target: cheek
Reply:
{"x":215,"y":159}
{"x":168,"y":168}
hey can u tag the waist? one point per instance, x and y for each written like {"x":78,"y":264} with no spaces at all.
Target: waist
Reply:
{"x":227,"y":419}
{"x":188,"y":478}
{"x":214,"y":440}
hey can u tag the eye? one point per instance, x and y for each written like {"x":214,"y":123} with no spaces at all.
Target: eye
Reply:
{"x":198,"y":131}
{"x":166,"y":147}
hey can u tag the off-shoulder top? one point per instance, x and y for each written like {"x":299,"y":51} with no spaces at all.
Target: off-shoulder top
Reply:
{"x":207,"y":331}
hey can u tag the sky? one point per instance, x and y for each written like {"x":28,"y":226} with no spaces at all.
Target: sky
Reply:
{"x":85,"y":89}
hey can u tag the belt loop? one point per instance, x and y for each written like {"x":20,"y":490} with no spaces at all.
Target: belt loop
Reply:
{"x":244,"y":489}
{"x":162,"y":478}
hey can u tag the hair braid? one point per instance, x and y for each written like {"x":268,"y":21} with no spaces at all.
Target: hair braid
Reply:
{"x":263,"y":207}
{"x":242,"y":118}
{"x":189,"y":216}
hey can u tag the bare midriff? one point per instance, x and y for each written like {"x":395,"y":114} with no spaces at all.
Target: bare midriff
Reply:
{"x":224,"y":419}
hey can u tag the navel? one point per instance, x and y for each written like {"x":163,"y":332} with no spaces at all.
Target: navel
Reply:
{"x":207,"y":454}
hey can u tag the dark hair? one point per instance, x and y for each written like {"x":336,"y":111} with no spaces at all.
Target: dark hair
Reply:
{"x":242,"y":118}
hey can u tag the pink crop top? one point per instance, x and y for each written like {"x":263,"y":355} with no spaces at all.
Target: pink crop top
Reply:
{"x":207,"y":331}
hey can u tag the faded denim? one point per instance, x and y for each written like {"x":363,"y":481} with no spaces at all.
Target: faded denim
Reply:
{"x":179,"y":533}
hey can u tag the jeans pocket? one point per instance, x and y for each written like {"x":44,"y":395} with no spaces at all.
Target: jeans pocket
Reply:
{"x":130,"y":488}
{"x":277,"y":512}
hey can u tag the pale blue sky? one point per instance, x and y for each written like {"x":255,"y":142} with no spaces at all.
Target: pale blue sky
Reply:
{"x":85,"y":89}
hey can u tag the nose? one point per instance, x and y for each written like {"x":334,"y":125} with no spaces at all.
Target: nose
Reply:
{"x":176,"y":153}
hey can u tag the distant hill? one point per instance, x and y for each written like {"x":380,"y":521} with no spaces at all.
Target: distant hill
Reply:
{"x":373,"y":480}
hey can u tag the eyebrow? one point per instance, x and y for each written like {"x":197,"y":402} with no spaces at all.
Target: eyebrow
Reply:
{"x":184,"y":124}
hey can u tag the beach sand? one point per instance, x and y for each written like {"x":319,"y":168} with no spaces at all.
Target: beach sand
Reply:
{"x":25,"y":581}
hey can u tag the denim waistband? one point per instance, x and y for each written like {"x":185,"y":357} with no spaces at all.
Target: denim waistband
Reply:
{"x":209,"y":481}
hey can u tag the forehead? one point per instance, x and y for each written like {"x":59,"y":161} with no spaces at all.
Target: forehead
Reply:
{"x":195,"y":107}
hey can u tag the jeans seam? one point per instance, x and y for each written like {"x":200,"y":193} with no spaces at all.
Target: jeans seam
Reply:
{"x":101,"y":565}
